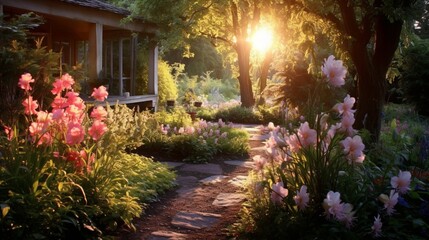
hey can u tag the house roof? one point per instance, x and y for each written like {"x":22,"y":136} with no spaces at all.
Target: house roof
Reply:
{"x":98,"y":4}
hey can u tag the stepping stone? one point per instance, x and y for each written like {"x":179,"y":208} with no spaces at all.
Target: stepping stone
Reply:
{"x":228,"y":199}
{"x":259,"y":149}
{"x":246,"y":164}
{"x":209,"y":168}
{"x":259,"y":137}
{"x":239,"y":181}
{"x":172,"y":165}
{"x":187,"y":185}
{"x":195,"y":220}
{"x":212,"y":179}
{"x":167,"y":235}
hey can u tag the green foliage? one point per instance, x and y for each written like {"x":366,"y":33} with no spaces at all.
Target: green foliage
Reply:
{"x":239,"y":114}
{"x":17,"y":56}
{"x":204,"y":58}
{"x":199,"y":142}
{"x":303,"y":91}
{"x":167,"y":87}
{"x":414,"y":75}
{"x":81,"y":191}
{"x":192,"y":149}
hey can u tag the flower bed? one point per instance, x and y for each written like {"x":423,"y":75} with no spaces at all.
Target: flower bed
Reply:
{"x":65,"y":172}
{"x":317,"y":176}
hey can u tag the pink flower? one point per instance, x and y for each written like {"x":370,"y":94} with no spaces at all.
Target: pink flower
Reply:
{"x":293,"y":143}
{"x":332,"y":203}
{"x":75,"y":133}
{"x":67,"y":81}
{"x":278,"y":193}
{"x":74,"y":113}
{"x":376,"y":227}
{"x":345,"y":108}
{"x":401,"y":182}
{"x":389,"y":201}
{"x":354,"y":147}
{"x":59,"y":102}
{"x":57,"y":87}
{"x":259,"y":162}
{"x":97,"y":130}
{"x":99,"y":113}
{"x":44,"y":117}
{"x":75,"y":158}
{"x":333,"y":206}
{"x":88,"y":159}
{"x":9,"y":132}
{"x":100,"y":93}
{"x":302,"y":198}
{"x":307,"y":136}
{"x":30,"y":106}
{"x":334,"y":71}
{"x":57,"y":115}
{"x":36,"y":128}
{"x":347,"y":122}
{"x":25,"y":80}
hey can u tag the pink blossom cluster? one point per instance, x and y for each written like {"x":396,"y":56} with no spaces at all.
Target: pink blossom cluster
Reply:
{"x":278,"y":192}
{"x":334,"y":71}
{"x":203,"y":129}
{"x":334,"y":208}
{"x":65,"y":121}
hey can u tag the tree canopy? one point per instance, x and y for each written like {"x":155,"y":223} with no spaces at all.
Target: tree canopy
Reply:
{"x":365,"y":31}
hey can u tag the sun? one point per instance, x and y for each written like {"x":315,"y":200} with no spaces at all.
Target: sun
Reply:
{"x":262,"y":39}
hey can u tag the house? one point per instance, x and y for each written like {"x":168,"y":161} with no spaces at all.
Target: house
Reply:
{"x":92,"y":32}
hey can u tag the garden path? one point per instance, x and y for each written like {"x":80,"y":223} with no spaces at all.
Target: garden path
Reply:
{"x":205,"y":202}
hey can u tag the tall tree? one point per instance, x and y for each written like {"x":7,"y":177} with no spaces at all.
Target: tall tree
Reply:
{"x":227,"y":22}
{"x":369,"y":32}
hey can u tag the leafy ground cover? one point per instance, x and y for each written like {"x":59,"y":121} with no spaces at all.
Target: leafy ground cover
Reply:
{"x":174,"y":134}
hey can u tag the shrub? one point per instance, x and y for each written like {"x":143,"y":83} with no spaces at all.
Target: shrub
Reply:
{"x":57,"y":181}
{"x":317,"y":176}
{"x":196,"y":143}
{"x":414,"y":75}
{"x":18,"y":56}
{"x":239,"y":114}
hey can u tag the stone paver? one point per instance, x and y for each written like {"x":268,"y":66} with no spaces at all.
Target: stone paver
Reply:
{"x":167,"y":235}
{"x":260,"y":149}
{"x":258,"y":137}
{"x":228,"y":199}
{"x":190,"y":186}
{"x":247,"y":164}
{"x":213,"y":179}
{"x":195,"y":220}
{"x":172,"y":165}
{"x":239,"y":181}
{"x":209,"y":168}
{"x":187,"y":185}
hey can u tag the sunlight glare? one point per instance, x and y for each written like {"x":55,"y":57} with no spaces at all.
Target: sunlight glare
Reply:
{"x":262,"y":39}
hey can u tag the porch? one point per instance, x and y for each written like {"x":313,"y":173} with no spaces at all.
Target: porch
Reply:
{"x":90,"y":34}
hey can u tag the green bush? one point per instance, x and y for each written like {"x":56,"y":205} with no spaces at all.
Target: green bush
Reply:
{"x":18,"y":56}
{"x":414,"y":75}
{"x":54,"y":185}
{"x":239,"y":114}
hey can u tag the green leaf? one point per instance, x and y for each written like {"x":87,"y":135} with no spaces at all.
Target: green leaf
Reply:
{"x":35,"y":185}
{"x":60,"y":186}
{"x":4,"y":209}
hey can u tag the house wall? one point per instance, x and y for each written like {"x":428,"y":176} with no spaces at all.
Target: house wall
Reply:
{"x":73,"y":23}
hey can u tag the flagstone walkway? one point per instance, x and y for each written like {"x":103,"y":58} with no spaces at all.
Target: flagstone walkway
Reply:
{"x":207,"y":199}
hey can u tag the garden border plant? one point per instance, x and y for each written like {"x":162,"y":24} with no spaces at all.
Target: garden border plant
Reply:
{"x":62,"y":176}
{"x":317,"y":177}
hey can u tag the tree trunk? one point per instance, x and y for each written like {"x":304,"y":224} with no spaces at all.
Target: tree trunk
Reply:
{"x":246,"y":91}
{"x":371,"y":70}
